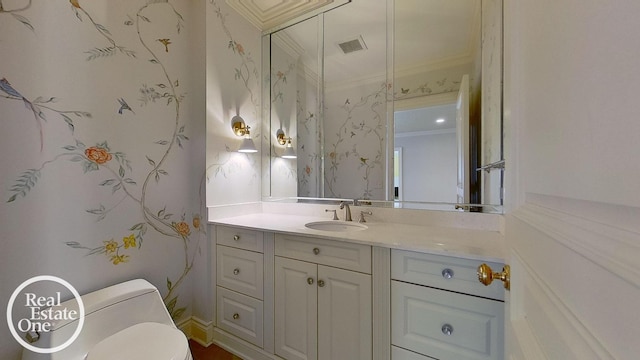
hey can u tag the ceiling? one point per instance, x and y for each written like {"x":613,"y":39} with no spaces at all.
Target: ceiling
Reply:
{"x":423,"y":120}
{"x":267,"y":14}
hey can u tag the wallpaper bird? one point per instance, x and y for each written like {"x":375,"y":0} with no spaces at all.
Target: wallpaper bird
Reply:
{"x":6,"y":87}
{"x":124,"y":106}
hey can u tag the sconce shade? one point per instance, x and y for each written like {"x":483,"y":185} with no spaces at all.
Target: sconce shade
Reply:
{"x":289,"y":153}
{"x":247,"y":145}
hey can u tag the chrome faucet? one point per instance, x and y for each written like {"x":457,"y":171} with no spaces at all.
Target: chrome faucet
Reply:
{"x":347,"y":211}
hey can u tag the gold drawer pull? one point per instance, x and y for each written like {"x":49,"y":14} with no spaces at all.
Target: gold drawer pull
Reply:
{"x":316,"y":251}
{"x":236,"y":316}
{"x":310,"y":281}
{"x":236,"y":271}
{"x":486,"y":275}
{"x":236,"y":237}
{"x":321,"y":283}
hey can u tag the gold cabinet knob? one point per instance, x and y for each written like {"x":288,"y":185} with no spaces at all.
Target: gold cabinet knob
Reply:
{"x":236,"y":271}
{"x":316,"y":251}
{"x":236,"y":237}
{"x":486,"y":275}
{"x":236,"y":316}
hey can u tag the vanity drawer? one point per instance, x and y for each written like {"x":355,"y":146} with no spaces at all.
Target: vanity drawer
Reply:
{"x":446,"y":325}
{"x":239,"y":238}
{"x":240,"y":315}
{"x":398,"y":353}
{"x":338,"y":254}
{"x":443,"y":272}
{"x":240,"y":270}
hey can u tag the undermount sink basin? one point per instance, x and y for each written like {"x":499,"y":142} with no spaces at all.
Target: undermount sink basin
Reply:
{"x":335,"y":225}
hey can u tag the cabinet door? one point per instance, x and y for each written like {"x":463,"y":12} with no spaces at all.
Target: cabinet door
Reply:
{"x":344,"y":314}
{"x":296,"y":306}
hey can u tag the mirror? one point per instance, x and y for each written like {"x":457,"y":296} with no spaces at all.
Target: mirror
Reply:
{"x":407,"y":121}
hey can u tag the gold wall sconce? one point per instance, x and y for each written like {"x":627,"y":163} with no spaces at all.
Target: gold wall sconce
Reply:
{"x":288,"y":153}
{"x":241,"y":129}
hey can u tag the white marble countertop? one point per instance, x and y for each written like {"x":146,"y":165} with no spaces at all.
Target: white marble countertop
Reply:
{"x":474,"y":244}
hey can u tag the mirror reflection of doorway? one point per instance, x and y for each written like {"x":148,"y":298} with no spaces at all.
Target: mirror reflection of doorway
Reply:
{"x":397,"y":174}
{"x":427,"y":136}
{"x":433,"y":133}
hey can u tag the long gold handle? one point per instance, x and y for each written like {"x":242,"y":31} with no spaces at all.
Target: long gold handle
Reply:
{"x":486,"y":275}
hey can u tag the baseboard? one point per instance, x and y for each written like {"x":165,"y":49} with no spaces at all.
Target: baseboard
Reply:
{"x":240,"y":347}
{"x":197,"y":329}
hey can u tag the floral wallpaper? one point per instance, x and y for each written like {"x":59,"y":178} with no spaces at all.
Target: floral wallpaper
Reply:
{"x":309,"y":146}
{"x":284,"y":107}
{"x":355,"y":142}
{"x":350,"y":138}
{"x":100,"y":139}
{"x":233,"y":88}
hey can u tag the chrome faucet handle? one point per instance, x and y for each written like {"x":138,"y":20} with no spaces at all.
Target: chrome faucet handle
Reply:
{"x":335,"y":213}
{"x":347,"y":211}
{"x":362,"y":214}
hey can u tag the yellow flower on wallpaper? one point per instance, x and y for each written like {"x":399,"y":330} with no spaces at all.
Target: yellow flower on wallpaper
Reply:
{"x":110,"y":246}
{"x":196,"y":221}
{"x":98,"y":155}
{"x":117,"y":259}
{"x":182,"y":228}
{"x":166,"y":43}
{"x":129,"y":241}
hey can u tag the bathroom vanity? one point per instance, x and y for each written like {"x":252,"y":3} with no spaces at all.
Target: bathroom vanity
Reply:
{"x":388,"y":291}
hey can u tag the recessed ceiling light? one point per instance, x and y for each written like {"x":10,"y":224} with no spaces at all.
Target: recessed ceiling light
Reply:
{"x":440,"y":120}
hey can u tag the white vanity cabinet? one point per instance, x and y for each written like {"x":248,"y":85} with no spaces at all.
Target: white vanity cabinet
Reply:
{"x":239,"y":280}
{"x":440,"y":310}
{"x":323,"y":300}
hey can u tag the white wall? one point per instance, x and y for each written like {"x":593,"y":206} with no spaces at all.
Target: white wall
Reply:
{"x":429,"y":167}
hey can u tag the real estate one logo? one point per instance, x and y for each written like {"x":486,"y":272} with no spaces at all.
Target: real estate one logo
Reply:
{"x":43,"y":311}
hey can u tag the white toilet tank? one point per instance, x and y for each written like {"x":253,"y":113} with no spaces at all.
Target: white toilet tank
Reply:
{"x":110,"y":311}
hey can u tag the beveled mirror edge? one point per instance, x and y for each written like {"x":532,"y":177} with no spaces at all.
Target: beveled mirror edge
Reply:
{"x":407,"y":205}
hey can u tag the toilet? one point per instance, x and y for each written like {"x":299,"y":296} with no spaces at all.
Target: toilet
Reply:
{"x":125,"y":321}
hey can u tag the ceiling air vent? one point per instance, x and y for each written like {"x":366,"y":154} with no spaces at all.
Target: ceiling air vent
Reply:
{"x":352,"y":45}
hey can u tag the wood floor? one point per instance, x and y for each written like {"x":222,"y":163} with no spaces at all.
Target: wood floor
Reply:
{"x":212,"y":352}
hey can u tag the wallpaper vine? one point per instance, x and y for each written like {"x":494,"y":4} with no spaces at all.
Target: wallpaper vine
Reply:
{"x":241,"y":96}
{"x":153,"y":27}
{"x":355,"y":143}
